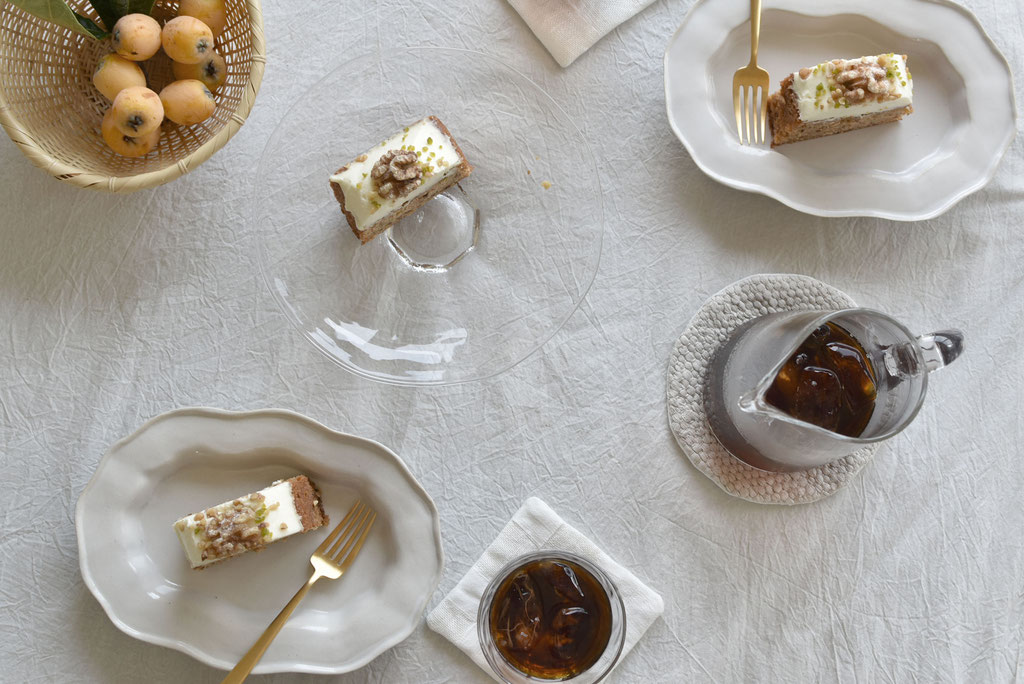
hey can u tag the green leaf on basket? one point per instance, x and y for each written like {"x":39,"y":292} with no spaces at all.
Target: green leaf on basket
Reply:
{"x":112,"y":10}
{"x":94,"y":29}
{"x":59,"y":13}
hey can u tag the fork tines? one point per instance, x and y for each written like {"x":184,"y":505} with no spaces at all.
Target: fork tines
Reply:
{"x":747,"y":99}
{"x":348,"y":537}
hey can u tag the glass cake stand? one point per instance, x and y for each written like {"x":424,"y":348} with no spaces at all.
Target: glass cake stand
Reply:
{"x":477,"y":279}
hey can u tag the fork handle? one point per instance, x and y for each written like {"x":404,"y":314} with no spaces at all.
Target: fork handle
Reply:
{"x":755,"y":29}
{"x":249,"y":660}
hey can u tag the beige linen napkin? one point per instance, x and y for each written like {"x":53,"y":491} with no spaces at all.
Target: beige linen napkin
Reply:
{"x":569,"y":27}
{"x":534,"y":527}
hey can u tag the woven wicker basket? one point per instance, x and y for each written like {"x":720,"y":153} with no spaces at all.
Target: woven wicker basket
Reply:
{"x":51,"y":110}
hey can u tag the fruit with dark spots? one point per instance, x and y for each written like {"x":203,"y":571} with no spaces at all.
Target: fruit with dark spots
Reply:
{"x":136,"y":37}
{"x":212,"y":71}
{"x":137,"y":111}
{"x":126,"y":145}
{"x":114,"y":73}
{"x":187,"y":40}
{"x":187,"y":102}
{"x":213,"y":13}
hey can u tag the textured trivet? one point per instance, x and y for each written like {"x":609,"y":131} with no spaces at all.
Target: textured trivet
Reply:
{"x":710,"y":326}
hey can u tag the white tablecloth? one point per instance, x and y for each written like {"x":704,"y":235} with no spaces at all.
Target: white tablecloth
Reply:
{"x":115,"y":309}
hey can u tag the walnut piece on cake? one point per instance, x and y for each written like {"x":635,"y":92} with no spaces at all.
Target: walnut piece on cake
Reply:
{"x":397,"y":173}
{"x":398,"y":176}
{"x":839,"y":96}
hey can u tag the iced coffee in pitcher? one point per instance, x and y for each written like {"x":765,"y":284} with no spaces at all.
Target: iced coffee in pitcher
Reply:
{"x":794,"y":390}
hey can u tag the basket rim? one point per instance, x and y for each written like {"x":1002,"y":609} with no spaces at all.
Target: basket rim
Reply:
{"x":149,"y":179}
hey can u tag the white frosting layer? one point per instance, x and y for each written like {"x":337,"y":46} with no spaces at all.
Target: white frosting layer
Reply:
{"x":280,"y":504}
{"x":283,"y":513}
{"x":437,"y":158}
{"x":814,"y":93}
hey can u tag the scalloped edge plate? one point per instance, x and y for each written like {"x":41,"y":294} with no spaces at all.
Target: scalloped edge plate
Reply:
{"x":147,"y":590}
{"x":963,"y":160}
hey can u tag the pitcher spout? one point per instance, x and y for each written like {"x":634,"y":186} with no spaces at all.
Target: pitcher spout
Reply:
{"x":752,"y":401}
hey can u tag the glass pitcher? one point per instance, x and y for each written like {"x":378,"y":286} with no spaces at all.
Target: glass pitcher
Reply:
{"x":744,"y":368}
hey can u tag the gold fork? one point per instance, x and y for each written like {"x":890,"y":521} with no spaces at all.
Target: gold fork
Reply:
{"x":331,"y":564}
{"x":753,"y":82}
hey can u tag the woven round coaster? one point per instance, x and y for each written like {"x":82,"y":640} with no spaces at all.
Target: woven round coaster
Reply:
{"x":710,"y":326}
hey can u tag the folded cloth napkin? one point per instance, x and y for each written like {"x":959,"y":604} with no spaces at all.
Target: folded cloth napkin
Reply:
{"x":569,"y":27}
{"x":534,"y":527}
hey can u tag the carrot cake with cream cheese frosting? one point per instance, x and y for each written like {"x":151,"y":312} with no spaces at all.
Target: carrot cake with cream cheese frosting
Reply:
{"x":840,"y":95}
{"x":398,"y":176}
{"x":251,"y":522}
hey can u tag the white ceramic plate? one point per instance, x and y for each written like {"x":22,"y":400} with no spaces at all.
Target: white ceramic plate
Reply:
{"x":963,"y":118}
{"x":189,"y":459}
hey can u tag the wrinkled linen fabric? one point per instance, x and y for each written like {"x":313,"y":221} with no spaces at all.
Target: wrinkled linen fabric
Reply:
{"x":536,"y":527}
{"x":118,"y":308}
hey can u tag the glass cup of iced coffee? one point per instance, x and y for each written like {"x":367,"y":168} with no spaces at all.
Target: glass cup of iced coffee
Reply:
{"x":551,"y":616}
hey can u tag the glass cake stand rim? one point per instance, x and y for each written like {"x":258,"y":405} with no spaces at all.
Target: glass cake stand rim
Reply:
{"x":288,"y":311}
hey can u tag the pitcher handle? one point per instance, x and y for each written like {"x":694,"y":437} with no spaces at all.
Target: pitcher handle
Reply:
{"x":940,"y":348}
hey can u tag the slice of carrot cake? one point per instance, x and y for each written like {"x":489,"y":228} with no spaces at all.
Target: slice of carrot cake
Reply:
{"x":839,"y":96}
{"x":250,"y":523}
{"x":398,"y":176}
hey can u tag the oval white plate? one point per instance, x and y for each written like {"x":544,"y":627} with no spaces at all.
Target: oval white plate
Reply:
{"x":963,"y":118}
{"x":186,"y":460}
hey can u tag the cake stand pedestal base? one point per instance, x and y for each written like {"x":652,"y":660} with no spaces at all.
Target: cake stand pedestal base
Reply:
{"x":437,"y":236}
